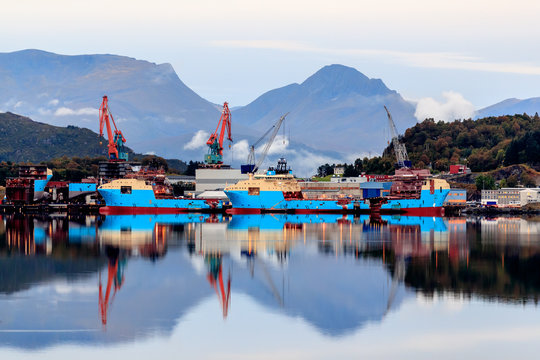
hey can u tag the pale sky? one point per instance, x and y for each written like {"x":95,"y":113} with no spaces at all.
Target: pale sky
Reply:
{"x":236,"y":50}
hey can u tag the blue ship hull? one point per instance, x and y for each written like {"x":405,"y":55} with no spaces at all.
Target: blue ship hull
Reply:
{"x":269,"y":201}
{"x":145,"y":202}
{"x":39,"y":187}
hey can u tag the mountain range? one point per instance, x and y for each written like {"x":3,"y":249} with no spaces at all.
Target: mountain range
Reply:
{"x":151,"y":105}
{"x":510,"y":107}
{"x":335,"y":115}
{"x":338,"y":101}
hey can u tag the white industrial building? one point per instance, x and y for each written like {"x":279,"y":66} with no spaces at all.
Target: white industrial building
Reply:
{"x":527,"y":196}
{"x":216,"y":179}
{"x":510,"y":197}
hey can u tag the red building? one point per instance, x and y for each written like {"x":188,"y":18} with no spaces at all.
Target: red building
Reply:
{"x":459,"y":169}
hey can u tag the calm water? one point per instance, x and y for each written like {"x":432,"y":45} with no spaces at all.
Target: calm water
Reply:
{"x":272,"y":286}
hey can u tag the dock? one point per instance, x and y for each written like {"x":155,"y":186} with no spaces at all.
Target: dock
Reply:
{"x":74,"y":209}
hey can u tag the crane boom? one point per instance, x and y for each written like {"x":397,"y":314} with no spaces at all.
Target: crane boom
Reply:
{"x":115,"y":148}
{"x":402,"y":157}
{"x":250,"y":166}
{"x":270,"y":141}
{"x":215,"y":142}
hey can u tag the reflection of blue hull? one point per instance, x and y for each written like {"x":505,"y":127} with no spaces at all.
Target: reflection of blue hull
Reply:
{"x":426,"y":223}
{"x":275,"y":201}
{"x":278,"y":221}
{"x":148,"y":222}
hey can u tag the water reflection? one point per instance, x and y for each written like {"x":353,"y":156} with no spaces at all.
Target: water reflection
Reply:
{"x":145,"y":273}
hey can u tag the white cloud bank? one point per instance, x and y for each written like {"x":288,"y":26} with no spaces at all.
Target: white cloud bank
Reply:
{"x":197,"y":141}
{"x":422,"y":59}
{"x":454,"y":107}
{"x":64,"y":111}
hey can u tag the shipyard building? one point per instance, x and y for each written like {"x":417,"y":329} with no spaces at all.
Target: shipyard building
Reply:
{"x":508,"y":197}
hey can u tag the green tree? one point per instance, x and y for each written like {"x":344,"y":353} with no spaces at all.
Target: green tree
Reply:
{"x":325,"y":170}
{"x":485,"y":182}
{"x":350,"y":171}
{"x":512,"y":181}
{"x":155,"y":162}
{"x":192,"y":166}
{"x":527,"y":180}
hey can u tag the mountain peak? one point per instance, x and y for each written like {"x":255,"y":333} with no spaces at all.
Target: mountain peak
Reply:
{"x":339,"y":79}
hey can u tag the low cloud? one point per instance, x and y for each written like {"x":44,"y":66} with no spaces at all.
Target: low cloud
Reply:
{"x":43,"y":111}
{"x":454,"y":107}
{"x":64,"y":111}
{"x":306,"y":163}
{"x":241,"y":149}
{"x":351,"y":158}
{"x":54,"y":102}
{"x":197,"y":141}
{"x":279,"y":146}
{"x":303,"y":162}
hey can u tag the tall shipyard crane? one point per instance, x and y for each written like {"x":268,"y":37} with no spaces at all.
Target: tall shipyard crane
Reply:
{"x":116,"y":150}
{"x":399,"y":149}
{"x":251,"y":166}
{"x":214,"y":158}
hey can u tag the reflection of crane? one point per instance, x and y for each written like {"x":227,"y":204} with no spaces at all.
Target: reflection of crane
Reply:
{"x":215,"y":276}
{"x":251,"y":259}
{"x":116,"y":276}
{"x":116,"y":149}
{"x":399,"y":148}
{"x":215,"y":142}
{"x":273,"y":287}
{"x":399,"y":276}
{"x":251,"y":167}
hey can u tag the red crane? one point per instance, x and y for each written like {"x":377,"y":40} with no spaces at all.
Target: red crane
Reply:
{"x":215,"y":142}
{"x":116,"y":142}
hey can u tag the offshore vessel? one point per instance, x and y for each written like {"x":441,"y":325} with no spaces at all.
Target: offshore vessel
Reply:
{"x":277,"y":190}
{"x":149,"y":193}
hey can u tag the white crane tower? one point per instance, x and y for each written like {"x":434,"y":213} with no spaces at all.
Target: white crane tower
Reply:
{"x":399,"y":149}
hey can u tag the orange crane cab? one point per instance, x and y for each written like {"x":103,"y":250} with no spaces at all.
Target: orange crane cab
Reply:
{"x":214,"y":158}
{"x":116,"y":151}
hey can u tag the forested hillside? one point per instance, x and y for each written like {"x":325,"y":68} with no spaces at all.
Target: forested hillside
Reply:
{"x":22,"y":139}
{"x":484,"y":145}
{"x":71,"y":152}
